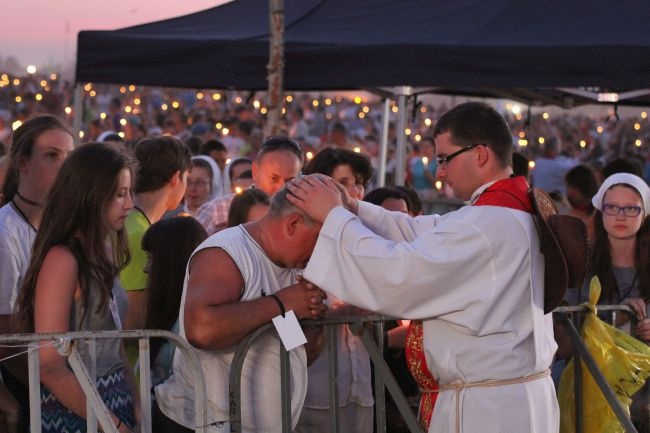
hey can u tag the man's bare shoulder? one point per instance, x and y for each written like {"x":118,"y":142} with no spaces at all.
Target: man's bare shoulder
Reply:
{"x":210,"y":258}
{"x":213,"y":268}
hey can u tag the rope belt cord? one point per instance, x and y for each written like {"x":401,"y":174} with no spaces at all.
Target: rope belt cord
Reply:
{"x":458,"y":386}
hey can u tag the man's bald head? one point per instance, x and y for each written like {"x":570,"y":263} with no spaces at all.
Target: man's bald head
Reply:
{"x":281,"y":207}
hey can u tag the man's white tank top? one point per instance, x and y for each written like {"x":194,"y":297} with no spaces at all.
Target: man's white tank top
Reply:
{"x":261,"y":410}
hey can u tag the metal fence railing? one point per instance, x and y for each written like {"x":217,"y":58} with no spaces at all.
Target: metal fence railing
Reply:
{"x":369,"y":328}
{"x":97,"y":411}
{"x":383,"y":378}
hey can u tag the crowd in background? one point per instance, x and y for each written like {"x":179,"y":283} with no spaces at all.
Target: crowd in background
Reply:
{"x":315,"y":120}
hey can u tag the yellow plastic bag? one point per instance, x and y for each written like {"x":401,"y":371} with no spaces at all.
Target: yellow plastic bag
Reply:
{"x":624,"y":361}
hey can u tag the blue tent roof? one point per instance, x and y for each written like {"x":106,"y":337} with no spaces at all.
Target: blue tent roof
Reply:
{"x":347,"y":44}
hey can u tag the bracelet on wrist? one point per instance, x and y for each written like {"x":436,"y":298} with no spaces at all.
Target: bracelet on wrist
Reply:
{"x":283,"y":311}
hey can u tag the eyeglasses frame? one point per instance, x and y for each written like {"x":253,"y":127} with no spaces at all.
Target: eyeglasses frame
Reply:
{"x":637,"y":210}
{"x":444,"y":160}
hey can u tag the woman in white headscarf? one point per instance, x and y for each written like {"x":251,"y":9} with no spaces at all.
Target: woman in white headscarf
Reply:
{"x":203,"y":182}
{"x":621,"y":257}
{"x":621,"y":251}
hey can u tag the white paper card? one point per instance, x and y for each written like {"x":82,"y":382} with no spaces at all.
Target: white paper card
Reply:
{"x":290,"y":331}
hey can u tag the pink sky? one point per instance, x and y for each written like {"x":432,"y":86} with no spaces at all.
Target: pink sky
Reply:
{"x":34,"y":31}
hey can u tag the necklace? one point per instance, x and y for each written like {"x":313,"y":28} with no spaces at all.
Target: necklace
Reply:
{"x":629,"y":289}
{"x":28,"y":201}
{"x":22,"y":214}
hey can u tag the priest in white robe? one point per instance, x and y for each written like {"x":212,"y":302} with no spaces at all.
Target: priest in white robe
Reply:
{"x":475,"y":276}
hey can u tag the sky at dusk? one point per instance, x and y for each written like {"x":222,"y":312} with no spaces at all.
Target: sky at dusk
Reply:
{"x":44,"y":32}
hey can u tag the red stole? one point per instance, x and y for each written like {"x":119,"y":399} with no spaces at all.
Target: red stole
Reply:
{"x":417,"y":365}
{"x":513,"y":193}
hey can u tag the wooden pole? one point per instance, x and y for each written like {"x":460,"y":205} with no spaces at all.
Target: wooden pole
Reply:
{"x":275,"y":67}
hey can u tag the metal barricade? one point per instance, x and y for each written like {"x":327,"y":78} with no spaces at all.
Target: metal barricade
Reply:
{"x":383,"y":377}
{"x":97,"y":411}
{"x":572,"y":325}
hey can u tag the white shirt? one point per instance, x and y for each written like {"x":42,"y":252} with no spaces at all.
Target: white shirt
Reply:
{"x":476,"y":277}
{"x":260,"y":398}
{"x":16,"y":239}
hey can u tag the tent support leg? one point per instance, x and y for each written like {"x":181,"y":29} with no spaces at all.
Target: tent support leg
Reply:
{"x":383,"y":149}
{"x":78,"y":112}
{"x":400,"y":169}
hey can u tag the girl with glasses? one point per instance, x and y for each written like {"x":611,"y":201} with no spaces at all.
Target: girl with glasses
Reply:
{"x":620,"y":259}
{"x":621,"y":251}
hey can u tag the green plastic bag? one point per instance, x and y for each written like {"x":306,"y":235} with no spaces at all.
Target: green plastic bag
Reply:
{"x":624,"y":361}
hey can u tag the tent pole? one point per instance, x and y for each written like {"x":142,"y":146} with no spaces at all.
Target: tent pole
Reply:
{"x":275,"y":66}
{"x":78,"y":112}
{"x":403,"y":93}
{"x":383,"y":149}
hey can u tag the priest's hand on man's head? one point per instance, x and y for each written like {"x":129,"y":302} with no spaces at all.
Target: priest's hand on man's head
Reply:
{"x":314,"y":194}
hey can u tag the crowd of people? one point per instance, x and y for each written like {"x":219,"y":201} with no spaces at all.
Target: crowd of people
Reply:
{"x":162,"y":219}
{"x":236,"y":119}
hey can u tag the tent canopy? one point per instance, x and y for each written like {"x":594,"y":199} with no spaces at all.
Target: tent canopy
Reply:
{"x":464,"y":46}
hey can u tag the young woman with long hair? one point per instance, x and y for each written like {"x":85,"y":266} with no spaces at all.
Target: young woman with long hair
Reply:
{"x":169,"y":243}
{"x":40,"y":145}
{"x":71,"y":285}
{"x":621,"y":260}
